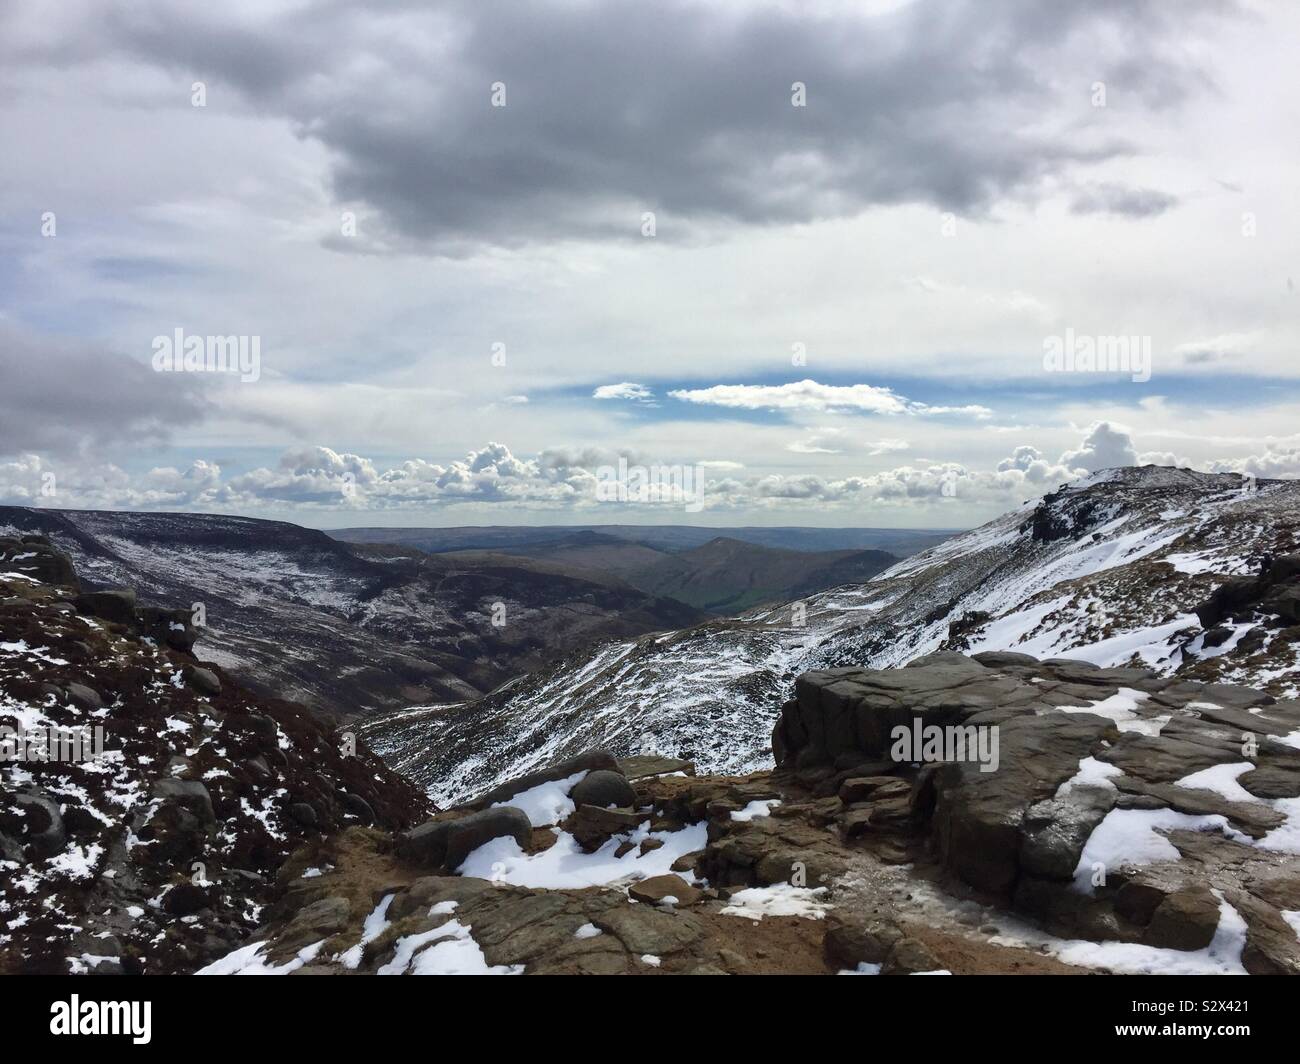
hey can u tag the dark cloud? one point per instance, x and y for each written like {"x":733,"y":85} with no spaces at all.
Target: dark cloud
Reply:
{"x":1123,"y":200}
{"x":683,"y":109}
{"x":61,"y":396}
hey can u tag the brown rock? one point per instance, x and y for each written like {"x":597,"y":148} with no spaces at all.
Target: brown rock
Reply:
{"x":654,"y":890}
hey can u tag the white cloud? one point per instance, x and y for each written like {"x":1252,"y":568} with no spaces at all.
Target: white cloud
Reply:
{"x":809,"y":396}
{"x":1104,"y":447}
{"x":623,"y":390}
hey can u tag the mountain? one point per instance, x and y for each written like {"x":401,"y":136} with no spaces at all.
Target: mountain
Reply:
{"x":722,"y":576}
{"x":900,"y":542}
{"x":1052,"y":816}
{"x":727,"y":575}
{"x":348,"y":629}
{"x":1109,"y":571}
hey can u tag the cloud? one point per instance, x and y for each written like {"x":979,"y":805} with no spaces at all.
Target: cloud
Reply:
{"x":1122,"y":200}
{"x":623,"y":390}
{"x":1105,"y":446}
{"x":62,"y":396}
{"x":1278,"y":460}
{"x":808,"y":396}
{"x":600,"y":125}
{"x":321,"y":479}
{"x":1228,"y":347}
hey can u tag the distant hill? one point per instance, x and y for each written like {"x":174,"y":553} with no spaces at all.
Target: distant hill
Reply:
{"x":351,"y":629}
{"x":721,"y":571}
{"x":723,"y":576}
{"x":901,"y":542}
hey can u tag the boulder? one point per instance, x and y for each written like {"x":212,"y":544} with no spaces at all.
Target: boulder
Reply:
{"x":189,"y":795}
{"x":1185,"y":920}
{"x":593,"y":825}
{"x":205,"y":681}
{"x":45,"y":832}
{"x":852,"y":939}
{"x":908,"y":957}
{"x":591,"y":761}
{"x":604,"y":788}
{"x":117,"y":607}
{"x":656,"y":889}
{"x":83,"y":696}
{"x":444,"y":844}
{"x":36,"y":557}
{"x":185,"y":899}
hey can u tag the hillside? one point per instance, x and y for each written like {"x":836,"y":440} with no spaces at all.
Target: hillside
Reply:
{"x":349,"y":630}
{"x":722,"y":577}
{"x":1110,"y":571}
{"x":162,"y":851}
{"x":900,"y":542}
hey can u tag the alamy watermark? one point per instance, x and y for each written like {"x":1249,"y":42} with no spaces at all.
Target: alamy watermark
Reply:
{"x":920,"y":743}
{"x":672,"y":484}
{"x":47,"y":744}
{"x":1072,"y":353}
{"x":179,"y":353}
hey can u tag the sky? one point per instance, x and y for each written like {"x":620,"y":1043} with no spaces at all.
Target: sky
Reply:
{"x":897,"y":263}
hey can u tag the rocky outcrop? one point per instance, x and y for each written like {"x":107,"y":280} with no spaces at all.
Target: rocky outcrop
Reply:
{"x":159,"y":837}
{"x":1273,"y":595}
{"x":1074,"y":744}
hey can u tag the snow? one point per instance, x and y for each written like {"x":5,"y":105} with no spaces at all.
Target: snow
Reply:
{"x":780,"y":899}
{"x":374,"y":926}
{"x":587,"y":931}
{"x":547,"y":803}
{"x":1221,"y":957}
{"x":863,"y":968}
{"x":1121,"y":707}
{"x":1092,"y":773}
{"x":248,"y":960}
{"x":1222,"y":780}
{"x":761,"y":807}
{"x":1292,"y":917}
{"x":1128,"y":837}
{"x":651,"y":960}
{"x":453,"y":952}
{"x":565,"y":866}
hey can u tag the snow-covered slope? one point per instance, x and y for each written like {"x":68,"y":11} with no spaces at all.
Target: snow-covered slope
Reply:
{"x":1109,"y":570}
{"x":348,"y":629}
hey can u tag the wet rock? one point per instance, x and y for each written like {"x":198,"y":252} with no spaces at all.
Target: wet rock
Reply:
{"x":321,"y":919}
{"x":1054,"y":831}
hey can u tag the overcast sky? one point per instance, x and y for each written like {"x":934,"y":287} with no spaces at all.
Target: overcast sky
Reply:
{"x":818,"y":253}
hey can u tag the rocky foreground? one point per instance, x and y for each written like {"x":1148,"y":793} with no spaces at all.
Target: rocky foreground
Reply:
{"x":1128,"y":823}
{"x":992,"y":813}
